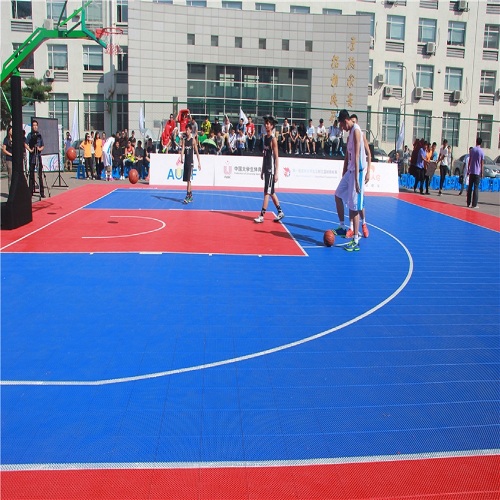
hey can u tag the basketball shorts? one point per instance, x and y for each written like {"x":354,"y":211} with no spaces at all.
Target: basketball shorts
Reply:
{"x":268,"y":182}
{"x":188,"y":170}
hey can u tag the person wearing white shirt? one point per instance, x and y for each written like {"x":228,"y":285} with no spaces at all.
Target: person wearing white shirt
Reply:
{"x":311,"y":132}
{"x":321,"y":136}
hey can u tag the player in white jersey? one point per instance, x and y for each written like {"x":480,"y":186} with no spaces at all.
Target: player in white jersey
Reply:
{"x":351,"y":188}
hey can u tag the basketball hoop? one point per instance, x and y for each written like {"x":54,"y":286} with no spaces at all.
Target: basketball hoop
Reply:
{"x":106,"y":35}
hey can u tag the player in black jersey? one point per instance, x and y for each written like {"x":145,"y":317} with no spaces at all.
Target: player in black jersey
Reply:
{"x":270,"y":167}
{"x":189,"y":147}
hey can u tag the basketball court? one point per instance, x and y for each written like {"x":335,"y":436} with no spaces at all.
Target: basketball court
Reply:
{"x":152,"y":349}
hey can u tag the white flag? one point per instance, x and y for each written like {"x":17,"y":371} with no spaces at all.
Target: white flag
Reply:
{"x":142,"y":124}
{"x":243,"y":116}
{"x":401,"y":137}
{"x":75,"y":129}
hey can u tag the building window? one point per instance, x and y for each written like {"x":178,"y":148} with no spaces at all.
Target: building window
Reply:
{"x":94,"y":12}
{"x":214,"y":41}
{"x":29,"y":62}
{"x":21,"y":9}
{"x":394,"y":73}
{"x":262,"y":43}
{"x":453,"y":79}
{"x":427,"y":29}
{"x":395,"y":28}
{"x":266,"y":6}
{"x":451,"y":127}
{"x":370,"y":71}
{"x":59,"y":108}
{"x":285,"y":45}
{"x":55,"y":8}
{"x":122,"y":60}
{"x":196,"y":3}
{"x":484,"y":126}
{"x":238,"y":42}
{"x":488,"y":82}
{"x":332,"y":12}
{"x":92,"y":58}
{"x":58,"y":57}
{"x":456,"y":33}
{"x":232,"y":5}
{"x":93,"y":112}
{"x":122,"y":11}
{"x":425,"y":76}
{"x":122,"y":111}
{"x":191,"y":39}
{"x":299,"y":9}
{"x":308,"y":46}
{"x":491,"y":36}
{"x":390,"y":124}
{"x":422,"y":124}
{"x":372,"y":21}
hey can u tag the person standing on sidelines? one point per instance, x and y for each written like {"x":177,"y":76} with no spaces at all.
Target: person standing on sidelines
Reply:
{"x":475,"y":172}
{"x":34,"y":144}
{"x":352,"y":189}
{"x":189,"y":148}
{"x":464,"y":178}
{"x":269,"y":172}
{"x":444,"y":158}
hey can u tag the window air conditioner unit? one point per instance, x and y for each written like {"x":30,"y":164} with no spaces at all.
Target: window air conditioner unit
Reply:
{"x":457,"y":96}
{"x":380,"y":79}
{"x":49,"y":75}
{"x":391,"y":2}
{"x":419,"y":92}
{"x":462,"y":5}
{"x":387,"y":91}
{"x":430,"y":48}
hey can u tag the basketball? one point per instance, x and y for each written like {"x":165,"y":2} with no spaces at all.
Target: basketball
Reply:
{"x":329,"y":238}
{"x":71,"y":154}
{"x":133,"y":176}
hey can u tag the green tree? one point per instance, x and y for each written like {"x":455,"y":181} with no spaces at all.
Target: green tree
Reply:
{"x":34,"y":90}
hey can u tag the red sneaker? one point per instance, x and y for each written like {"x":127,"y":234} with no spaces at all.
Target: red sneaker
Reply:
{"x":364,"y":228}
{"x":349,"y":234}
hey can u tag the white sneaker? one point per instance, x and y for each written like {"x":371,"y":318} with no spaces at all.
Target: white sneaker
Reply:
{"x":279,"y":216}
{"x":259,"y":219}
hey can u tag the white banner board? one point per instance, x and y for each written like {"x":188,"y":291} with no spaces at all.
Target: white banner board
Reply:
{"x":244,"y":172}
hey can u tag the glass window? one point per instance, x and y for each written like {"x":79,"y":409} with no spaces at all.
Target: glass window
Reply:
{"x":59,"y":108}
{"x":232,"y":5}
{"x":427,"y":29}
{"x":394,"y":73}
{"x":214,"y":41}
{"x":332,"y":12}
{"x":55,"y":8}
{"x":92,"y":58}
{"x":451,"y":127}
{"x":196,"y":71}
{"x":191,"y":39}
{"x":308,"y":46}
{"x":425,"y":76}
{"x":122,"y":11}
{"x":390,"y":124}
{"x":196,"y":3}
{"x":484,"y":127}
{"x":265,"y":6}
{"x":58,"y":57}
{"x":121,"y":111}
{"x":453,"y":79}
{"x":372,"y":21}
{"x":299,"y":9}
{"x":491,"y":36}
{"x":262,"y":43}
{"x":422,"y":124}
{"x":122,"y":59}
{"x":29,"y":62}
{"x":21,"y":9}
{"x":395,"y":28}
{"x":488,"y":82}
{"x":93,"y":112}
{"x":238,"y":42}
{"x":94,"y":12}
{"x":285,"y":44}
{"x":456,"y":33}
{"x":370,"y":71}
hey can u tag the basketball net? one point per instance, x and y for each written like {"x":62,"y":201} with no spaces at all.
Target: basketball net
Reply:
{"x":106,"y":35}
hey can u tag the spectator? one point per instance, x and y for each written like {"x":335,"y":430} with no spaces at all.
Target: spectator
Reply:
{"x":150,"y":149}
{"x":475,"y":172}
{"x":444,"y":167}
{"x":117,"y":155}
{"x":241,"y":141}
{"x":139,"y":154}
{"x":250,"y":135}
{"x":335,"y":138}
{"x":302,"y":140}
{"x":311,"y":132}
{"x":231,"y":142}
{"x":285,"y":135}
{"x":67,"y":144}
{"x":406,"y":159}
{"x":216,"y":126}
{"x":7,"y":151}
{"x":206,"y":126}
{"x":294,"y":140}
{"x":99,"y":165}
{"x":86,"y":145}
{"x":321,"y":136}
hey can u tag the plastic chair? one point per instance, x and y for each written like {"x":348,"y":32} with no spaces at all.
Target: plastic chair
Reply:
{"x":495,"y":185}
{"x":435,"y":182}
{"x":80,"y":171}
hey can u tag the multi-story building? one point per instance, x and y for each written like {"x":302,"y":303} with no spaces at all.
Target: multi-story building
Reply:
{"x":431,"y":64}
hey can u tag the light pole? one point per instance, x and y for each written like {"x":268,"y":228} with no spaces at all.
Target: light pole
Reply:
{"x":404,"y":104}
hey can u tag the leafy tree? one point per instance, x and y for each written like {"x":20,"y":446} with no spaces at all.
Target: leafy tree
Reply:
{"x":34,"y":90}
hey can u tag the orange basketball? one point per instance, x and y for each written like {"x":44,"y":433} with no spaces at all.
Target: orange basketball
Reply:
{"x":133,"y":176}
{"x":71,"y":154}
{"x":329,"y":238}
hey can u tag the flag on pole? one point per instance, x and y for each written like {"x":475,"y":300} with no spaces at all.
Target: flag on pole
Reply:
{"x":401,"y":137}
{"x":243,"y":116}
{"x":142,"y":124}
{"x":75,"y":129}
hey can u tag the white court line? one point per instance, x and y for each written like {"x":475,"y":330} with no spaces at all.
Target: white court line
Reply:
{"x":229,"y":361}
{"x":162,"y":225}
{"x":54,"y":221}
